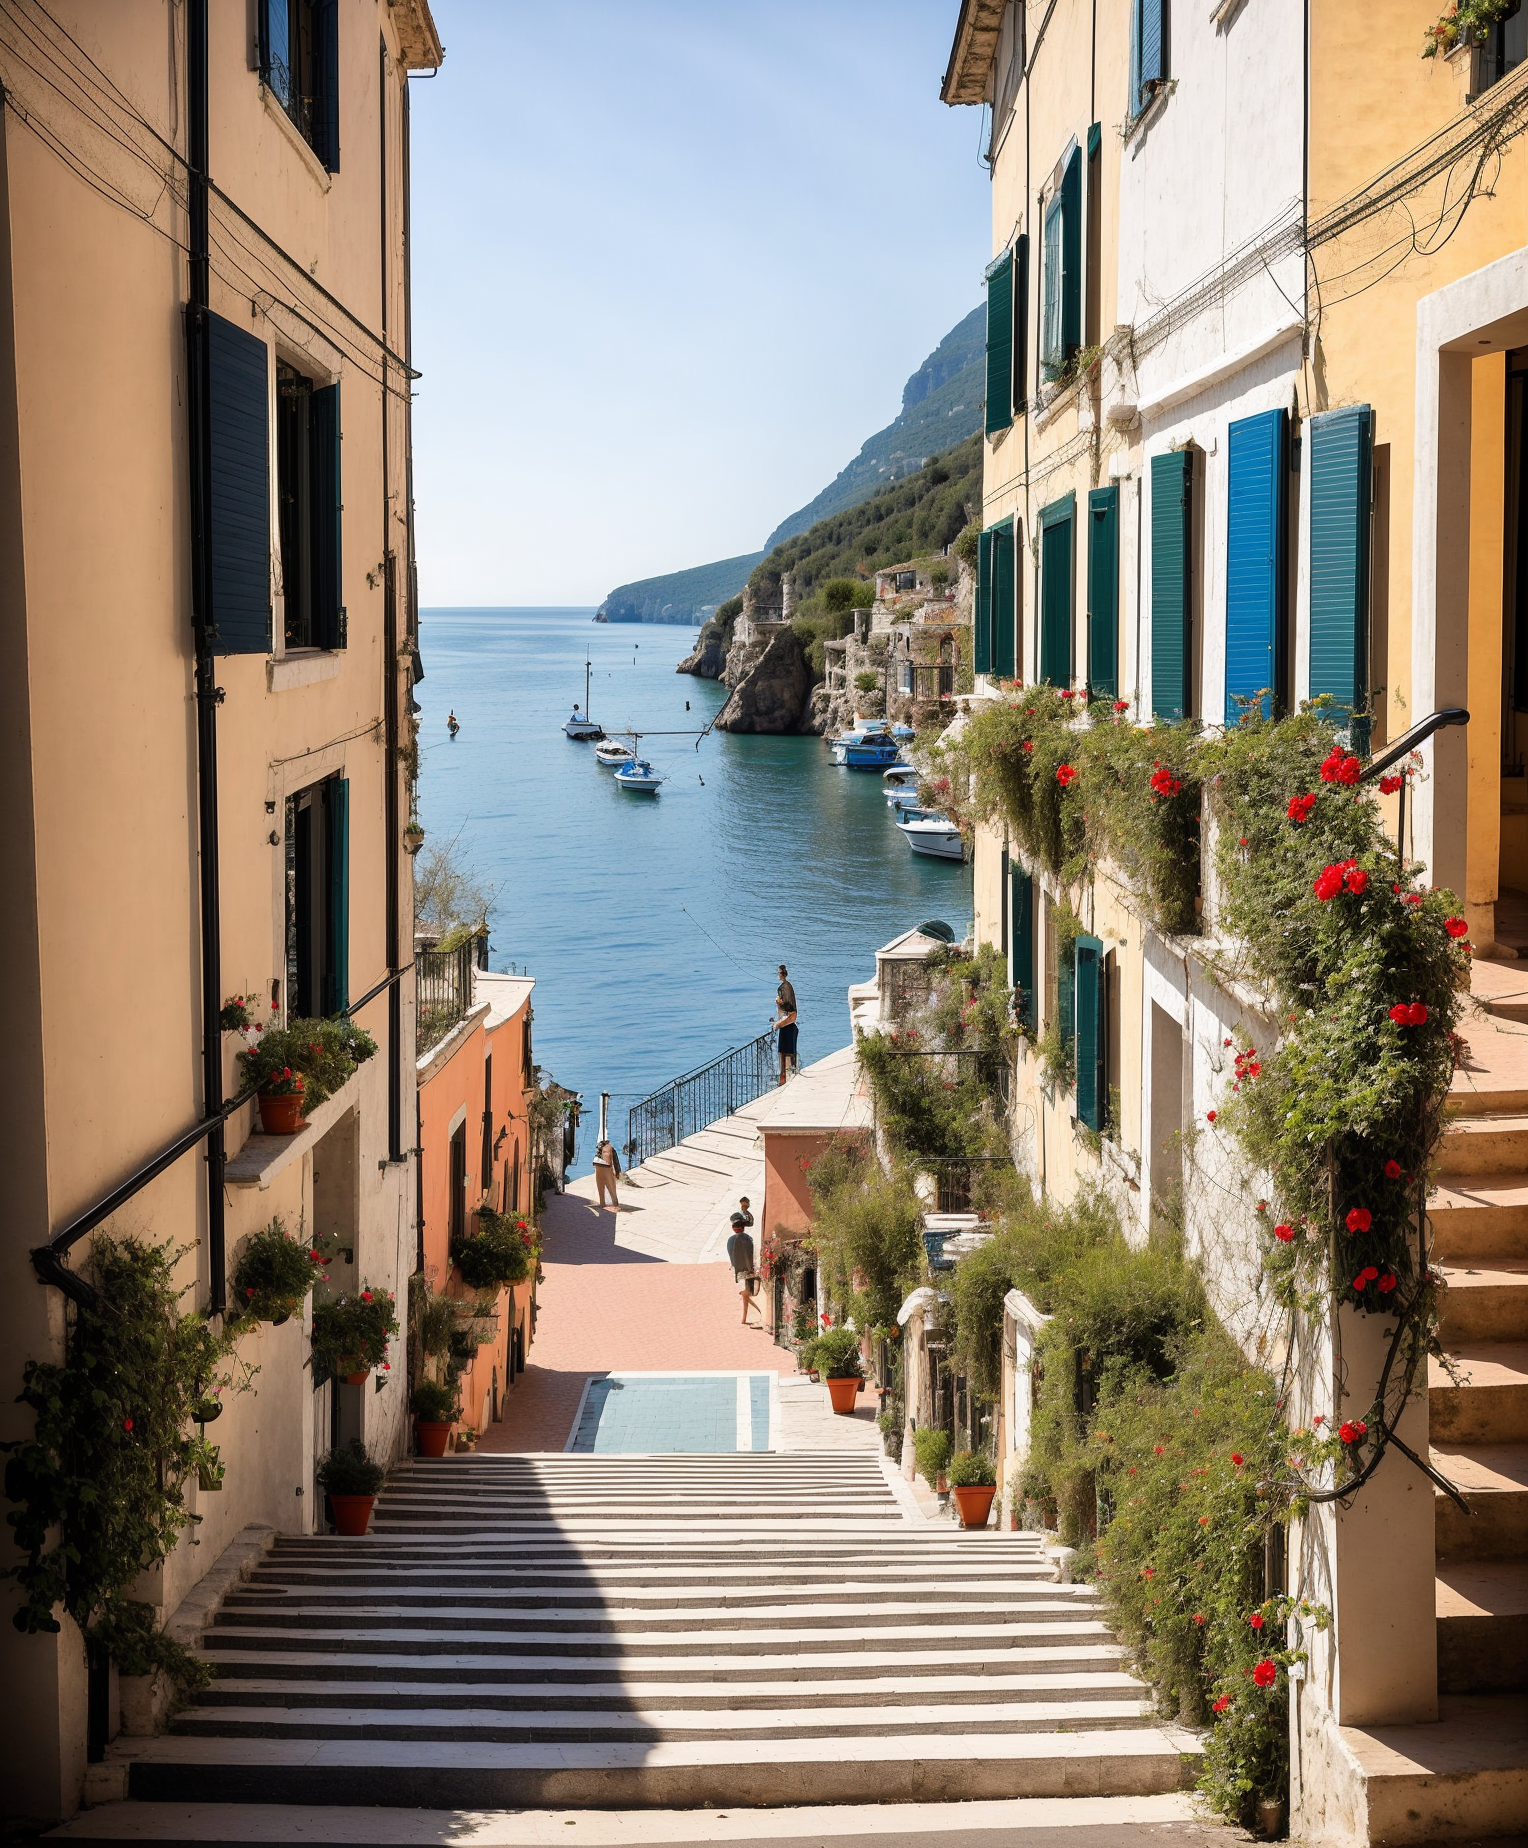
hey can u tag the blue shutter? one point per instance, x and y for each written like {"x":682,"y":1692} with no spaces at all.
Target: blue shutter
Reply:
{"x":982,"y":623}
{"x":1071,"y":255}
{"x":1341,"y":456}
{"x":1256,"y":477}
{"x":1056,"y":548}
{"x":1152,"y":65}
{"x":1004,"y":601}
{"x":1088,"y":1005}
{"x":337,"y":796}
{"x":1021,"y":325}
{"x":1103,"y":591}
{"x":1000,"y":344}
{"x":1021,"y":913}
{"x":1171,"y":533}
{"x":326,"y":83}
{"x":239,"y":499}
{"x":328,"y":506}
{"x":1133,"y":107}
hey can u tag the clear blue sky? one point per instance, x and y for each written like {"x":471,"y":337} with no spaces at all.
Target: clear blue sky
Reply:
{"x":673,"y":260}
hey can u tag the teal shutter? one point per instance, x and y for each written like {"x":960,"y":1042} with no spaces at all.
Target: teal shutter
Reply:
{"x":1171,"y":532}
{"x":982,"y":616}
{"x":337,"y":791}
{"x":328,"y":507}
{"x":1021,"y":916}
{"x":1056,"y":545}
{"x":1103,"y":592}
{"x":1256,"y":477}
{"x":1000,"y":344}
{"x":1341,"y":458}
{"x":1021,"y":325}
{"x":1066,"y":999}
{"x":1004,"y":601}
{"x":239,"y":485}
{"x":1088,"y":1005}
{"x":1148,"y":50}
{"x":1071,"y":255}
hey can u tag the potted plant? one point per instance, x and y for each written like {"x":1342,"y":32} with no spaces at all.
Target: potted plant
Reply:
{"x":281,"y":1101}
{"x":931,"y":1455}
{"x":351,"y":1479}
{"x":837,"y":1356}
{"x":307,"y":1060}
{"x":974,"y":1483}
{"x":435,"y":1411}
{"x":350,"y":1334}
{"x":274,"y":1273}
{"x":413,"y":836}
{"x":503,"y":1249}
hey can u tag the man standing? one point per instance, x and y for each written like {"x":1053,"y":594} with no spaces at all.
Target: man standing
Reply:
{"x":740,"y":1255}
{"x":607,"y":1165}
{"x":786,"y":1025}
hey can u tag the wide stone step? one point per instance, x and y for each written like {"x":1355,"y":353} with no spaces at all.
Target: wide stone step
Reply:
{"x":901,"y":1593}
{"x":654,"y":1579}
{"x":1477,"y":1218}
{"x":1495,"y":1143}
{"x":1493,"y":1478}
{"x":636,"y":1724}
{"x":1485,"y":1302}
{"x":696,"y":1774}
{"x":1482,"y":1609}
{"x":1490,"y":1404}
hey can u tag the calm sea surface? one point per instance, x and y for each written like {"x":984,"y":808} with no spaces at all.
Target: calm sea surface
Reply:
{"x":653,"y":924}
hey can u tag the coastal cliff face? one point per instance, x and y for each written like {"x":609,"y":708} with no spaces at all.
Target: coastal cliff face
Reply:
{"x":770,"y":684}
{"x":708,"y":661}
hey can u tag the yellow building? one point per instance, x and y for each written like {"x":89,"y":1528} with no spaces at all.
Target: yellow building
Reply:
{"x":209,"y":618}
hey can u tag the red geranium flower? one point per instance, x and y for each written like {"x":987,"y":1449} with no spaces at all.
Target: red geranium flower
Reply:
{"x":1352,"y":1430}
{"x":1199,"y":1617}
{"x":1266,"y":1673}
{"x":1409,"y":1013}
{"x":1158,"y":1449}
{"x":1386,"y":1283}
{"x":1300,"y":807}
{"x":366,"y":1296}
{"x":1256,"y":1620}
{"x":1327,"y":883}
{"x":313,"y":1255}
{"x":127,"y":1424}
{"x":1237,"y":1458}
{"x":1210,"y":1115}
{"x":1388,"y":785}
{"x":1284,"y":1233}
{"x":1340,"y":767}
{"x":1065,"y":773}
{"x":1028,"y":746}
{"x":1122,"y":705}
{"x":1360,"y":1219}
{"x":1365,"y":1277}
{"x":1393,"y":1170}
{"x":1219,"y":1706}
{"x":1456,"y":927}
{"x":1165,"y":783}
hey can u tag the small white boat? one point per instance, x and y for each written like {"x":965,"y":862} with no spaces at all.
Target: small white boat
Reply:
{"x":580,"y":726}
{"x":931,"y":834}
{"x":639,"y":776}
{"x":611,"y":753}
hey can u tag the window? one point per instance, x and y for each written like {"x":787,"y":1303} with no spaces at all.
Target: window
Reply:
{"x":1148,"y":52}
{"x":1088,"y":1007}
{"x":1021,"y":914}
{"x":1505,"y":47}
{"x":999,"y":344}
{"x":308,"y":497}
{"x":457,"y":1206}
{"x":1341,"y":450}
{"x":299,"y":62}
{"x":1257,"y":550}
{"x":1056,"y":522}
{"x":1103,"y":592}
{"x":237,"y":372}
{"x":1005,"y":608}
{"x":318,"y":898}
{"x":1172,"y":524}
{"x":1061,"y":273}
{"x":487,"y":1175}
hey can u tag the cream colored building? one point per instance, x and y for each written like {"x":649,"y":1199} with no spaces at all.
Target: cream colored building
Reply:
{"x":209,"y":619}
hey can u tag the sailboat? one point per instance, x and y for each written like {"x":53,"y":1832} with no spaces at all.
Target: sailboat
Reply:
{"x":580,"y":726}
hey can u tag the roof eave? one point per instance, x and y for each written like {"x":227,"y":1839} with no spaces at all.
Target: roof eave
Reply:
{"x":967,"y":76}
{"x":419,"y":46}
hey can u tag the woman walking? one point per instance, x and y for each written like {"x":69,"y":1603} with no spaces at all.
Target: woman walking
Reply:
{"x":607,"y":1165}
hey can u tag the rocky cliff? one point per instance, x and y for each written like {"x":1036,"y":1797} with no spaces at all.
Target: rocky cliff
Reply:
{"x":771,"y":684}
{"x":707,"y":661}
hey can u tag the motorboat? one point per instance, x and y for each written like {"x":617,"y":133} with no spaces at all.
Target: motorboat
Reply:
{"x":900,"y":776}
{"x":612,"y":753}
{"x":580,"y":726}
{"x":904,"y":732}
{"x":932,"y":834}
{"x":868,"y":747}
{"x":639,"y":776}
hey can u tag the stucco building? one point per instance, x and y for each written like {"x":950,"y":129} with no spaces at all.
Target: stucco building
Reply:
{"x":209,"y":621}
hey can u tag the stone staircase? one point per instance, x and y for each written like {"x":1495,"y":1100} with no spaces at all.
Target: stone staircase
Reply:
{"x":636,"y":1632}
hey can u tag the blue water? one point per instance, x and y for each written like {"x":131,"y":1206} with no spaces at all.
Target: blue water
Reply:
{"x":649,"y":1414}
{"x":653,"y":924}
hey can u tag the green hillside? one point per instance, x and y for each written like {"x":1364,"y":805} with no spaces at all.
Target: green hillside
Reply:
{"x":680,"y":596}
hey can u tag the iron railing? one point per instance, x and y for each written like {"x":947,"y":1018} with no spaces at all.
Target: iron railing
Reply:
{"x":443,"y":988}
{"x":688,"y":1103}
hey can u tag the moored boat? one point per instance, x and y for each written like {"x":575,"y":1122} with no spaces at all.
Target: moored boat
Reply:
{"x":639,"y":776}
{"x":580,"y":726}
{"x":932,"y":834}
{"x":612,"y":753}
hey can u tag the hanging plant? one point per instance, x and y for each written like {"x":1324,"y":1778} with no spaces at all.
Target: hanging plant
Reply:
{"x":1468,"y":22}
{"x":351,"y":1333}
{"x":502,"y":1249}
{"x":274,"y":1273}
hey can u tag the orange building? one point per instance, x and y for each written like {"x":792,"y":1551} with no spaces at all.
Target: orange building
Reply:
{"x":476,"y":1149}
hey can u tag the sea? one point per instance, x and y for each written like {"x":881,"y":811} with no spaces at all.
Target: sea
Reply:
{"x":654,"y":924}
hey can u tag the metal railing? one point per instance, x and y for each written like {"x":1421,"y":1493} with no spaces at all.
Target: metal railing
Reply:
{"x":688,"y":1103}
{"x":1403,"y":747}
{"x":443,"y":988}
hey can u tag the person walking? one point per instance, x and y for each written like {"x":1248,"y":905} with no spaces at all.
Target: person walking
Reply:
{"x":740,"y":1256}
{"x":785,"y":1025}
{"x":607,"y":1165}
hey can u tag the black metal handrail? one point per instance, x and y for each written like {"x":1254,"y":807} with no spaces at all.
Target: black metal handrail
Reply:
{"x":1403,"y":747}
{"x":443,"y":988}
{"x":688,"y":1103}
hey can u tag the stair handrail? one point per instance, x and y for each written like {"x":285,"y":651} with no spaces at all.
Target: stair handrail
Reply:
{"x":755,"y":1062}
{"x":1403,"y":747}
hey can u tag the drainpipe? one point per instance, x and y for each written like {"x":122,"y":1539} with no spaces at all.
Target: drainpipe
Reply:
{"x":390,"y":660}
{"x":208,"y":693}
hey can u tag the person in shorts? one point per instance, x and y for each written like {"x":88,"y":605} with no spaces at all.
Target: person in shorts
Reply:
{"x":741,"y":1257}
{"x":786,"y":1025}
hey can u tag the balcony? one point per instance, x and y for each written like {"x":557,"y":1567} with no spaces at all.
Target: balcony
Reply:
{"x":443,"y":986}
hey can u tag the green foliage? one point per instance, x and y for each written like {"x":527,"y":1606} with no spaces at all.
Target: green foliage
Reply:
{"x":836,"y":1355}
{"x":812,"y":627}
{"x":866,"y":682}
{"x":274,"y":1273}
{"x":503,"y":1249}
{"x":846,"y":593}
{"x":99,"y":1486}
{"x":967,"y":545}
{"x":352,"y":1332}
{"x":436,"y":1402}
{"x":865,"y":1227}
{"x":1464,"y":22}
{"x":971,"y":1469}
{"x":350,"y":1470}
{"x":323,"y":1053}
{"x":931,"y":1453}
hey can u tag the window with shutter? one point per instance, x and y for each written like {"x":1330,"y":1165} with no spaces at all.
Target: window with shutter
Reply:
{"x":1148,"y":51}
{"x":239,"y":497}
{"x":1000,"y":344}
{"x":318,"y":898}
{"x":1256,"y":550}
{"x":982,"y":615}
{"x":1021,"y":913}
{"x":300,"y":65}
{"x":328,"y":507}
{"x":1071,"y":256}
{"x":308,"y":483}
{"x":1052,"y":349}
{"x":1056,"y":547}
{"x":1171,"y":591}
{"x":1004,"y":601}
{"x":1341,"y":458}
{"x":1021,"y":325}
{"x":337,"y":845}
{"x":1103,"y":592}
{"x":1089,"y":1013}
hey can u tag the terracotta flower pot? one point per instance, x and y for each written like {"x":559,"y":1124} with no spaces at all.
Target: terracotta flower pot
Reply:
{"x":843,"y":1393}
{"x":352,"y":1372}
{"x":433,"y":1438}
{"x":281,"y":1116}
{"x":352,"y":1513}
{"x":974,"y":1505}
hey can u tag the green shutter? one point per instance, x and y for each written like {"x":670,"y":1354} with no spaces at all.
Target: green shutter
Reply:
{"x":1341,"y":459}
{"x":1021,"y":915}
{"x":1071,"y":255}
{"x":328,"y":507}
{"x":1021,"y":325}
{"x":1171,"y":607}
{"x":1088,"y":1005}
{"x":1103,"y":591}
{"x":337,"y":792}
{"x":1004,"y":601}
{"x":982,"y":617}
{"x":1056,"y":567}
{"x":1000,"y":344}
{"x":1066,"y":999}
